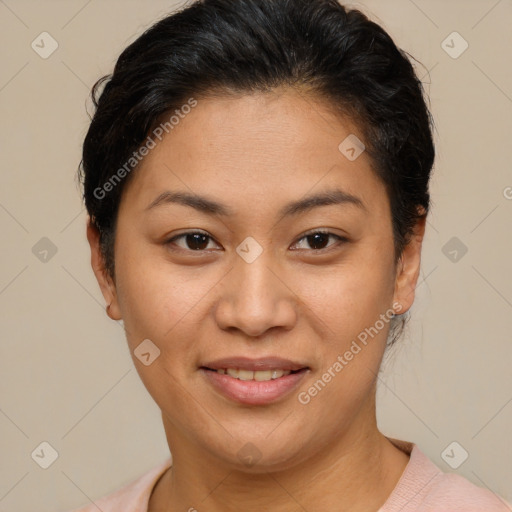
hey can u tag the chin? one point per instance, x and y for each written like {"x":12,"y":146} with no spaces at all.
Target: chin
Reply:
{"x":259,"y":455}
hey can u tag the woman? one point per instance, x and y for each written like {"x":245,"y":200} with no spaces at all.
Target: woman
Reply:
{"x":256,"y":176}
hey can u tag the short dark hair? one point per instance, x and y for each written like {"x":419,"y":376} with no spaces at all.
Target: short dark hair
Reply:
{"x":232,"y":47}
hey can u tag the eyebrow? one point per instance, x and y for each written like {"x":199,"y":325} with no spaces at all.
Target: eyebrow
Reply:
{"x":211,"y":207}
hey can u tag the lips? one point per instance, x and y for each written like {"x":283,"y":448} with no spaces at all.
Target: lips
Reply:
{"x":254,"y":365}
{"x":254,"y":381}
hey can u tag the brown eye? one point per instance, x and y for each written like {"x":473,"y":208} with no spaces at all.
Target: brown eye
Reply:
{"x":318,"y":240}
{"x":194,"y":241}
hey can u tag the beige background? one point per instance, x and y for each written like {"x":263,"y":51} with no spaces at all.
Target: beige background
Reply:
{"x":66,"y":375}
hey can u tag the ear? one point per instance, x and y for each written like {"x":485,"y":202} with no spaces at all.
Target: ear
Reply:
{"x":107,"y":285}
{"x":408,"y":268}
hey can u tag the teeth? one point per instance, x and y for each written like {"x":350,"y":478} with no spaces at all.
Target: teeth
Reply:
{"x":245,"y":375}
{"x":263,"y":375}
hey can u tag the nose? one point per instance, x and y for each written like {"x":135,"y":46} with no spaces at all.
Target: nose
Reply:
{"x":255,"y":298}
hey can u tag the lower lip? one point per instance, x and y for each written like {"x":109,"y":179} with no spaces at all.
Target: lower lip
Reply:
{"x":254,"y":392}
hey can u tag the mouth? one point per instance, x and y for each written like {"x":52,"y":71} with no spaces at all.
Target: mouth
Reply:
{"x":258,"y":375}
{"x":254,"y":382}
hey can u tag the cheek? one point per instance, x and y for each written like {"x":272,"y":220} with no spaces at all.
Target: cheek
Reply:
{"x":157,"y":304}
{"x":353,"y":303}
{"x":350,"y":296}
{"x":350,"y":305}
{"x":154,"y":296}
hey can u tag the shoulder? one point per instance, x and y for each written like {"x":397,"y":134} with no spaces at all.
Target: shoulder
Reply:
{"x":454,"y":493}
{"x":423,"y":487}
{"x":133,"y":496}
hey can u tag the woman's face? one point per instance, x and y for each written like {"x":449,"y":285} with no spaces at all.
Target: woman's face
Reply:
{"x":257,"y":287}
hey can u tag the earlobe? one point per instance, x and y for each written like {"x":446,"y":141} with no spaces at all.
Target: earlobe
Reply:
{"x":105,"y":281}
{"x":408,"y":268}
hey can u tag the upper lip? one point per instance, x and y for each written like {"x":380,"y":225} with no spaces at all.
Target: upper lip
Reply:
{"x":245,"y":363}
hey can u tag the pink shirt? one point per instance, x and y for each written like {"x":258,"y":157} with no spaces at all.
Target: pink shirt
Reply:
{"x":423,"y":487}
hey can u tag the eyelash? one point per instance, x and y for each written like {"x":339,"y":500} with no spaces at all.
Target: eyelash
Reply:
{"x":340,"y":239}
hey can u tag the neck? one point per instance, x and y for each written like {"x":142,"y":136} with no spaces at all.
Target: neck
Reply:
{"x":356,"y":472}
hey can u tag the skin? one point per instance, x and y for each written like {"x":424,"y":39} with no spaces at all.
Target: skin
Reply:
{"x":256,"y":153}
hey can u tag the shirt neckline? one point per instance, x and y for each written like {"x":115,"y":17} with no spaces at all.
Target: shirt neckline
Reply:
{"x":419,"y":472}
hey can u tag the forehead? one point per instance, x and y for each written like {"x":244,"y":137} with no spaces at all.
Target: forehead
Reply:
{"x":254,"y":147}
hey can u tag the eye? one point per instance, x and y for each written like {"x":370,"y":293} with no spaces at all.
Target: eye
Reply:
{"x":195,"y":241}
{"x":319,"y":238}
